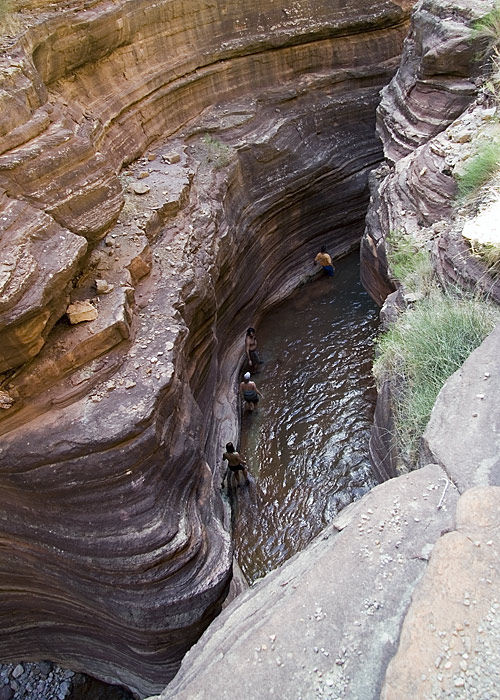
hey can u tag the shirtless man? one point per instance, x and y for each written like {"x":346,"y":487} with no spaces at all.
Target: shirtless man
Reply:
{"x":235,"y":464}
{"x":325,"y":261}
{"x":251,"y":351}
{"x":249,"y":392}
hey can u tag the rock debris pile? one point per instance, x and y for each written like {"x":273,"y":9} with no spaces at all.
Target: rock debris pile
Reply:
{"x":30,"y":681}
{"x":47,"y":681}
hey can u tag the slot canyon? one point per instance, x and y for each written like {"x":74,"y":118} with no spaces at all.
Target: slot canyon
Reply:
{"x":168,"y":171}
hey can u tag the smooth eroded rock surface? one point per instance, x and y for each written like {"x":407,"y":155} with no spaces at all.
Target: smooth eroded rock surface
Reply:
{"x":328,"y":621}
{"x":449,"y":641}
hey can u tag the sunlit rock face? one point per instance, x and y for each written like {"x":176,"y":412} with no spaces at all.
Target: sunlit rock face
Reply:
{"x":174,"y":166}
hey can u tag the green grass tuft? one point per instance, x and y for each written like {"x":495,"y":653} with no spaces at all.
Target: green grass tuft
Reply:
{"x":217,"y":153}
{"x":479,"y":169}
{"x":427,"y":344}
{"x":409,"y":263}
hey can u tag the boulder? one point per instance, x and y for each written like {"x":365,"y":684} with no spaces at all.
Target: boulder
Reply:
{"x":81,"y":311}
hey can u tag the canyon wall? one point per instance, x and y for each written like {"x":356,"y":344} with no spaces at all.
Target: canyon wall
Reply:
{"x":398,"y":597}
{"x":434,"y":84}
{"x":167,"y":170}
{"x":427,"y":118}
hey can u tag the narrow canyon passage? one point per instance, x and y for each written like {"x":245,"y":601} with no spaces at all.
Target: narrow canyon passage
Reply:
{"x":307,"y":445}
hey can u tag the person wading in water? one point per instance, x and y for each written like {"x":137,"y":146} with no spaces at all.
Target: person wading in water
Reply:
{"x":251,"y":351}
{"x":325,"y":261}
{"x":249,"y":392}
{"x":235,"y":464}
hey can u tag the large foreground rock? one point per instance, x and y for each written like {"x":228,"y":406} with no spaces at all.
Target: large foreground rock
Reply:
{"x":449,"y":645}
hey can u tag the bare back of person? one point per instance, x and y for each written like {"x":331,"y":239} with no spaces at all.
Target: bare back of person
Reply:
{"x":236,"y":465}
{"x":252,"y":354}
{"x":234,"y":460}
{"x":249,"y":392}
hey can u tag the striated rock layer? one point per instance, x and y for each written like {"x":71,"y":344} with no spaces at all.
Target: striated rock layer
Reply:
{"x":174,"y":166}
{"x":414,"y":193}
{"x":398,"y":598}
{"x":434,"y":85}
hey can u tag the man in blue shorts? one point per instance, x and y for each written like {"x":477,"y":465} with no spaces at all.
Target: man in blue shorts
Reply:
{"x":325,"y":261}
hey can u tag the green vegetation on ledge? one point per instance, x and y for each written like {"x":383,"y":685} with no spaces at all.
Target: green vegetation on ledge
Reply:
{"x":408,"y":262}
{"x":479,"y":169}
{"x":217,"y":153}
{"x":428,"y":342}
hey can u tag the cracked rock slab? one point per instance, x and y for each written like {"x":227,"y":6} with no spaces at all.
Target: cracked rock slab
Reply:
{"x":449,"y":642}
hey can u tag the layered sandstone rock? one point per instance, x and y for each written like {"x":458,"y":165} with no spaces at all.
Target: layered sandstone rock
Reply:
{"x":117,"y":554}
{"x":414,"y":194}
{"x":436,"y":78}
{"x":434,"y":85}
{"x":426,"y":209}
{"x":328,"y":622}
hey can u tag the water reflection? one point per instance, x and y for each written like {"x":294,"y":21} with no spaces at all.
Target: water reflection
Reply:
{"x":307,"y":444}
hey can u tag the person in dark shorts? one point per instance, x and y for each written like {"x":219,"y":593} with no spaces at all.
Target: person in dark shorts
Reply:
{"x":236,"y":465}
{"x":253,"y":357}
{"x":324,"y":259}
{"x":249,"y":392}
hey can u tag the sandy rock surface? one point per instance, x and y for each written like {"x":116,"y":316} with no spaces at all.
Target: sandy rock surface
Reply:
{"x":449,"y":645}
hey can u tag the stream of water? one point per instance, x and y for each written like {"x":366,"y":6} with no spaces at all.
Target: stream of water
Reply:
{"x":307,"y":444}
